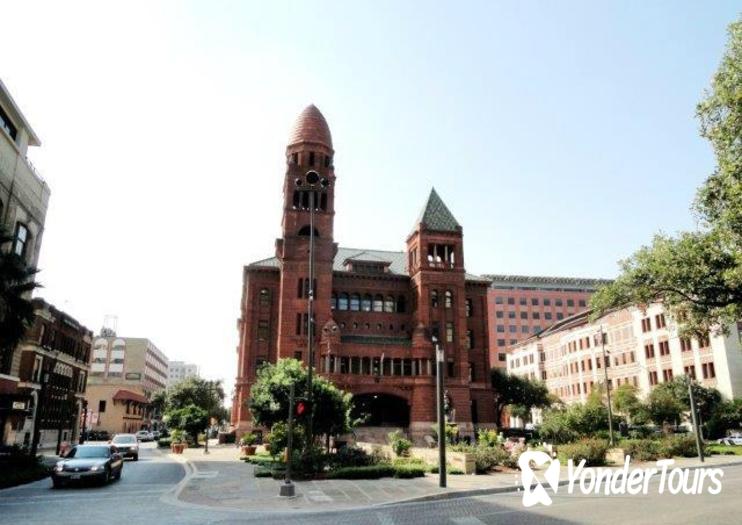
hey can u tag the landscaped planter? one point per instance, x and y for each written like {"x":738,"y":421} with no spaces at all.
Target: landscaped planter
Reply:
{"x":248,"y":450}
{"x":177,"y":448}
{"x":615,"y":455}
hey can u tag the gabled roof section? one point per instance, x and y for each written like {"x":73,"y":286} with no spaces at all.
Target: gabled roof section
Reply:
{"x":396,"y":262}
{"x":436,"y":216}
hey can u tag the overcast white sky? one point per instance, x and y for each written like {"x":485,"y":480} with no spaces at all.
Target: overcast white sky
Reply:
{"x":561,"y":135}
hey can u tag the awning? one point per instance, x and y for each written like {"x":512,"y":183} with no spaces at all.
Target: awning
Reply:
{"x":127,"y":395}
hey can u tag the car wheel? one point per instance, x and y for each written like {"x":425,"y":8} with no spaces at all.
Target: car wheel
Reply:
{"x":57,"y":484}
{"x":136,"y":458}
{"x":118,"y":474}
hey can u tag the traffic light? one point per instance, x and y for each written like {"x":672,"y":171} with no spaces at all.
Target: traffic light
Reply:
{"x":302,"y":407}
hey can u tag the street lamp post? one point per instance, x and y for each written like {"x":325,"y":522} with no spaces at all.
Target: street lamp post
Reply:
{"x":607,"y":386}
{"x":441,"y":414}
{"x":314,"y":181}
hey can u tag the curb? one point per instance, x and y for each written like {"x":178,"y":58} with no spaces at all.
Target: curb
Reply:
{"x":468,"y":493}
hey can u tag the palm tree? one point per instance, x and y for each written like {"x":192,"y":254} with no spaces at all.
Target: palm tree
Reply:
{"x":16,"y":309}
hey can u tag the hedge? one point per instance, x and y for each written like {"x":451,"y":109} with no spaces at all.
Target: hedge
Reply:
{"x":370,"y":472}
{"x":164,"y":442}
{"x":409,"y":471}
{"x":593,"y":451}
{"x":262,"y":472}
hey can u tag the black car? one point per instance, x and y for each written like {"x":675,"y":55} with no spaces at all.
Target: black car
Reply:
{"x":100,"y":463}
{"x":127,"y":445}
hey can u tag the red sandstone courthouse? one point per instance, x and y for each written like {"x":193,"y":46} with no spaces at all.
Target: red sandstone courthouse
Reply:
{"x":375,"y":311}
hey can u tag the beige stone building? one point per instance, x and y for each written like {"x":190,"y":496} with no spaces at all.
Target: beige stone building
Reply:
{"x":24,"y":198}
{"x":124,"y":374}
{"x":643,"y":347}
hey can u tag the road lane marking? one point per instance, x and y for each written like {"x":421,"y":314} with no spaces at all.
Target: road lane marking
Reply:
{"x":467,"y":520}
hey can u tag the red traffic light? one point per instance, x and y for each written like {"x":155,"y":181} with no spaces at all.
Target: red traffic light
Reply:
{"x":301,"y":408}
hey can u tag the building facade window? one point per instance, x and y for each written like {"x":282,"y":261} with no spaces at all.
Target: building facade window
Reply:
{"x":20,"y":241}
{"x":448,"y":299}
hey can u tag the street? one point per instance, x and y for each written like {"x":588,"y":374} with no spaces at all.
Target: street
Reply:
{"x":148,"y":489}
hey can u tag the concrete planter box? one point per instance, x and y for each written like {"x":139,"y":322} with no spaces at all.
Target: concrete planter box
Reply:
{"x":462,"y":461}
{"x":615,"y":455}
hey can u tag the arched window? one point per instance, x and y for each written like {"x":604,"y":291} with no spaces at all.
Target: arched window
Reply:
{"x":378,"y":303}
{"x":343,"y":302}
{"x":448,"y":300}
{"x":265,"y":297}
{"x":434,"y":299}
{"x":401,"y":304}
{"x":333,"y":301}
{"x":389,"y":304}
{"x":366,"y":303}
{"x":304,"y":231}
{"x":355,"y":302}
{"x":21,"y":240}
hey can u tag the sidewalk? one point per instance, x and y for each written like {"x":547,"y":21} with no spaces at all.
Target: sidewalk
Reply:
{"x":220,"y":480}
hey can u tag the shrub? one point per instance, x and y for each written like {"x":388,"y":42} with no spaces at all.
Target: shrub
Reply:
{"x":593,"y":451}
{"x":684,"y":446}
{"x":408,"y":461}
{"x":642,"y":449}
{"x":488,"y":438}
{"x":433,"y":469}
{"x":370,"y":472}
{"x":352,"y":457}
{"x":17,"y":467}
{"x":486,"y":458}
{"x":248,"y":439}
{"x":452,"y":433}
{"x":409,"y":470}
{"x":177,"y":436}
{"x":400,"y":444}
{"x":164,"y":442}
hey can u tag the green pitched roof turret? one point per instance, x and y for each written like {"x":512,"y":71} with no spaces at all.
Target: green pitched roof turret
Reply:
{"x":436,"y":216}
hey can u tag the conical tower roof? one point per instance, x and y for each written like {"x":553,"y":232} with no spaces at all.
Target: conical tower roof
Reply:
{"x":436,"y":216}
{"x":311,"y":126}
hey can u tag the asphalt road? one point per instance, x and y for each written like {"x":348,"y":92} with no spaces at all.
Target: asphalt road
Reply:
{"x":145,"y":495}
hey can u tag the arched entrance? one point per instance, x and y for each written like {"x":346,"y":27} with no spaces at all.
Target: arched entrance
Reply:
{"x":381,"y":410}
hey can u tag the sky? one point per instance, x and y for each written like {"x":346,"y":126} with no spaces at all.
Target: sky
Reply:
{"x":561,"y":135}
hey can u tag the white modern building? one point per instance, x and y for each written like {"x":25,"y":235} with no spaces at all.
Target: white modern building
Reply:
{"x":643,"y":347}
{"x":180,"y":370}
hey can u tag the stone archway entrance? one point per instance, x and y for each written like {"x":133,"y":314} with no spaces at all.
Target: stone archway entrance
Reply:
{"x":381,"y":410}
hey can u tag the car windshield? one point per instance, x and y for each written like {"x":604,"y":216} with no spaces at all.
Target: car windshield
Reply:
{"x":88,"y":452}
{"x":124,"y":439}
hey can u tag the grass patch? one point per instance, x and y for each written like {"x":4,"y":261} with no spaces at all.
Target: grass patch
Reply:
{"x":725,"y":450}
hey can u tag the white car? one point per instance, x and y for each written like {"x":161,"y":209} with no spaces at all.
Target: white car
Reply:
{"x":144,"y":435}
{"x":731,"y":439}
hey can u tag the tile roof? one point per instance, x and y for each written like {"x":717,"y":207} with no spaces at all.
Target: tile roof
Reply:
{"x":436,"y":216}
{"x":311,"y":126}
{"x":397,"y":261}
{"x":544,"y":282}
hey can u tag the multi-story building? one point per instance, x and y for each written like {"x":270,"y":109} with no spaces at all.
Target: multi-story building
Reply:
{"x":24,"y":197}
{"x":375,"y":311}
{"x":521,"y":306}
{"x":124,"y":374}
{"x":643,"y":347}
{"x":177,"y":371}
{"x":53,"y":374}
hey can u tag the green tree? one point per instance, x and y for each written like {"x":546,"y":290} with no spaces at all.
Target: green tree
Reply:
{"x":663,"y":406}
{"x":205,"y":394}
{"x":627,"y":402}
{"x":191,"y":419}
{"x":269,"y":398}
{"x":706,"y":399}
{"x":519,"y":393}
{"x":16,"y":309}
{"x":698,"y":275}
{"x":727,"y":415}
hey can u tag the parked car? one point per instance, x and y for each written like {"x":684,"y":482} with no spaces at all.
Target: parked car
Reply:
{"x":734,"y":438}
{"x":144,"y":435}
{"x":127,"y":445}
{"x":100,"y":463}
{"x":97,"y":435}
{"x":155,"y":434}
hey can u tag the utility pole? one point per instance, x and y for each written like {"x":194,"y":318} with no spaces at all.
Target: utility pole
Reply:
{"x":441,"y":415}
{"x":287,"y":488}
{"x":607,"y":386}
{"x":694,"y":419}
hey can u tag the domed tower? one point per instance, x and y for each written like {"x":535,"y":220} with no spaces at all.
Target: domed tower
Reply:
{"x":309,"y":185}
